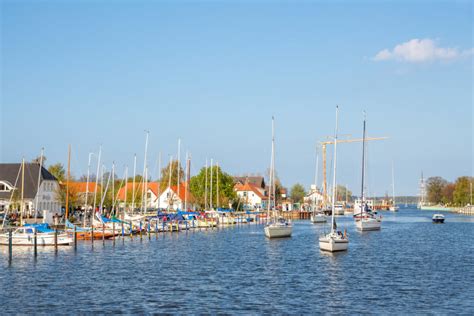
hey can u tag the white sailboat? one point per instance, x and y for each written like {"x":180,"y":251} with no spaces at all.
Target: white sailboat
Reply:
{"x":366,"y":219}
{"x":278,"y":226}
{"x":335,"y":240}
{"x":393,"y":207}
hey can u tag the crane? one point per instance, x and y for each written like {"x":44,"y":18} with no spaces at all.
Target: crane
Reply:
{"x":323,"y":147}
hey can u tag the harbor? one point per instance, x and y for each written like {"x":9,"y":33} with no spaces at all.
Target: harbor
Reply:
{"x":237,"y":269}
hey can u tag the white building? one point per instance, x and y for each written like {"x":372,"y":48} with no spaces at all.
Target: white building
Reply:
{"x":170,"y":198}
{"x":251,"y":196}
{"x":314,"y":196}
{"x":45,"y":195}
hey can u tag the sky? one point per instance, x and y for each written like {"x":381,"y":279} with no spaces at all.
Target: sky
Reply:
{"x":213,"y":73}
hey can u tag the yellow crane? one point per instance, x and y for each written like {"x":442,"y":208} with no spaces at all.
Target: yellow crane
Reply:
{"x":339,"y":141}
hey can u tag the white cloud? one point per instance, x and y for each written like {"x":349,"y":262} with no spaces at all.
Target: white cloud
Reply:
{"x":421,"y":50}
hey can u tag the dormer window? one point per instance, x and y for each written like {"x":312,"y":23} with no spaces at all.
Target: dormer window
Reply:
{"x":5,"y":187}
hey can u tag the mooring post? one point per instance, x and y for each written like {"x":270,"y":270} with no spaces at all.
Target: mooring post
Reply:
{"x":36,"y":243}
{"x":149,"y":230}
{"x":75,"y":237}
{"x":123,"y":231}
{"x":140,"y":229}
{"x":92,"y":233}
{"x":56,"y":239}
{"x":113,"y":228}
{"x":103,"y":233}
{"x":131,"y":231}
{"x":10,"y":245}
{"x":156,"y":228}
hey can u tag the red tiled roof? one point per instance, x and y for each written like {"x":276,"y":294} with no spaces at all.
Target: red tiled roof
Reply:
{"x":81,"y":187}
{"x":182,"y":191}
{"x":249,"y":187}
{"x":153,"y":186}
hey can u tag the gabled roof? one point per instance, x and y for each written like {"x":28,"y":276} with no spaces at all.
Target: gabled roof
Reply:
{"x":257,"y":181}
{"x":182,"y":192}
{"x":249,"y":188}
{"x":80,"y":187}
{"x":153,"y":186}
{"x":10,"y":171}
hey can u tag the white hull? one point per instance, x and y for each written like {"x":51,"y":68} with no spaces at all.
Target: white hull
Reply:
{"x":367,"y":224}
{"x":318,"y":218}
{"x":333,"y":243}
{"x":277,"y":231}
{"x":42,"y":239}
{"x":394,"y":208}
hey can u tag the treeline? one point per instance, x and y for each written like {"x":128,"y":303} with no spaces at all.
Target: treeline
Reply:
{"x":441,"y":191}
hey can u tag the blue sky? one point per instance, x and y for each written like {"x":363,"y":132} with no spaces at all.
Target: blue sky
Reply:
{"x":213,"y":73}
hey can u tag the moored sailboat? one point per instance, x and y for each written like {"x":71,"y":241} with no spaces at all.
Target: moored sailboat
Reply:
{"x":334,"y":240}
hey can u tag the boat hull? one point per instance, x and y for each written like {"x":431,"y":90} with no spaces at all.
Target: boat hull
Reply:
{"x":319,"y":218}
{"x":41,"y":240}
{"x":394,"y":208}
{"x":331,"y":244}
{"x":278,"y":231}
{"x":368,"y":224}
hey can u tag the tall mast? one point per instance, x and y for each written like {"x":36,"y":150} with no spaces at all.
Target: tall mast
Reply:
{"x":186,"y":184}
{"x":179,"y":163}
{"x":159,"y":178}
{"x":126,"y":189}
{"x":145,"y":190}
{"x":144,"y":171}
{"x":270,"y":189}
{"x":210,"y":193}
{"x":333,"y":222}
{"x":96,"y":182}
{"x":362,"y":197}
{"x":217,"y":186}
{"x":133,"y":183}
{"x":22,"y":190}
{"x":113,"y":188}
{"x":169,"y":184}
{"x":67,"y":181}
{"x":316,"y":179}
{"x":39,"y":182}
{"x":102,"y":187}
{"x":87,"y":190}
{"x":205,"y":189}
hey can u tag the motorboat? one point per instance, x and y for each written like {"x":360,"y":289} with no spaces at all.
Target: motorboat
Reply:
{"x":438,"y":218}
{"x":45,"y":236}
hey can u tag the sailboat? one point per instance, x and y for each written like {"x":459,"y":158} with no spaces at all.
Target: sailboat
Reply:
{"x":278,"y":226}
{"x":394,"y":207}
{"x":316,"y":215}
{"x":365,"y":218}
{"x":335,"y":240}
{"x":25,"y":234}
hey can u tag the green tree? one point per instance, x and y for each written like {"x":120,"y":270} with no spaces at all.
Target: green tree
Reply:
{"x":165,"y":175}
{"x":297,"y":193}
{"x":341,"y":192}
{"x":448,"y":193}
{"x":434,"y":189}
{"x":58,"y":171}
{"x":197,"y":187}
{"x":461,"y":192}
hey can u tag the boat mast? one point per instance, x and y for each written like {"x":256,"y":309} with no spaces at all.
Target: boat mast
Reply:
{"x":316,"y":180}
{"x":87,"y":190}
{"x":133,"y":183}
{"x":144,"y":171}
{"x":67,"y":182}
{"x":96,"y":183}
{"x":205,"y":189}
{"x":217,"y":186}
{"x":126,"y":189}
{"x":210,"y":193}
{"x":178,"y":166}
{"x":270,"y":189}
{"x":39,"y":182}
{"x":186,"y":175}
{"x":362,"y":197}
{"x":159,"y":179}
{"x":22,"y":190}
{"x":169,"y":184}
{"x":112,"y":211}
{"x":333,"y":221}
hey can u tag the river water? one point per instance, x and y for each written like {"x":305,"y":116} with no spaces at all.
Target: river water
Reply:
{"x":410,"y":266}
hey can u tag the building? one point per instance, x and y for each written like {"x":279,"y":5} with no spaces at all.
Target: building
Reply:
{"x":252,"y":197}
{"x":81,"y":189}
{"x":314,"y":196}
{"x":170,"y":198}
{"x":257,"y":181}
{"x":153,"y":190}
{"x":45,"y":195}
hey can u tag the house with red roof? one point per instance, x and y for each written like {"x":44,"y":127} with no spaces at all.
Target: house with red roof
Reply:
{"x":252,"y":196}
{"x":153,"y":191}
{"x":174,"y":199}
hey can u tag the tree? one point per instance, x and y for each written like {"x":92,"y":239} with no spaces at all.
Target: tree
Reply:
{"x":461,"y":192}
{"x":434,"y":189}
{"x":448,"y":193}
{"x":197,"y":187}
{"x":58,"y":171}
{"x":297,"y":193}
{"x":165,"y":174}
{"x":341,"y":192}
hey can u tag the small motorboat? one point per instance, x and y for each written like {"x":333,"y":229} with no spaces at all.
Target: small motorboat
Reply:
{"x":438,"y":218}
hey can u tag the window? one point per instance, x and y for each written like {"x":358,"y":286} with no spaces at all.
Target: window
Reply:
{"x":4,"y":187}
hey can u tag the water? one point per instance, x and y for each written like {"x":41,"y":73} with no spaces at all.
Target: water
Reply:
{"x":411,"y":266}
